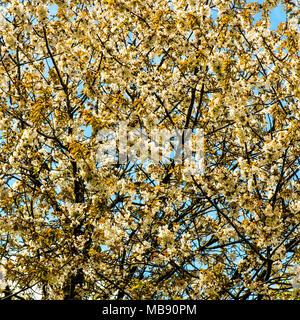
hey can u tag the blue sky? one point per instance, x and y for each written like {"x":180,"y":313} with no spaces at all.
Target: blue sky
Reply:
{"x":277,"y":16}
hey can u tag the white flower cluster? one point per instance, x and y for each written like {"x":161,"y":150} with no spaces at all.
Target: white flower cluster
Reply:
{"x":296,"y":279}
{"x":2,"y":278}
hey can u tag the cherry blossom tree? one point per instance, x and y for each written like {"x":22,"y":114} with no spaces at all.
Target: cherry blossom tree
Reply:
{"x":72,"y":227}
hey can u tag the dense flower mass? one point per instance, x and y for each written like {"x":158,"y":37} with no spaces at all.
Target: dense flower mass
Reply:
{"x":74,"y":227}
